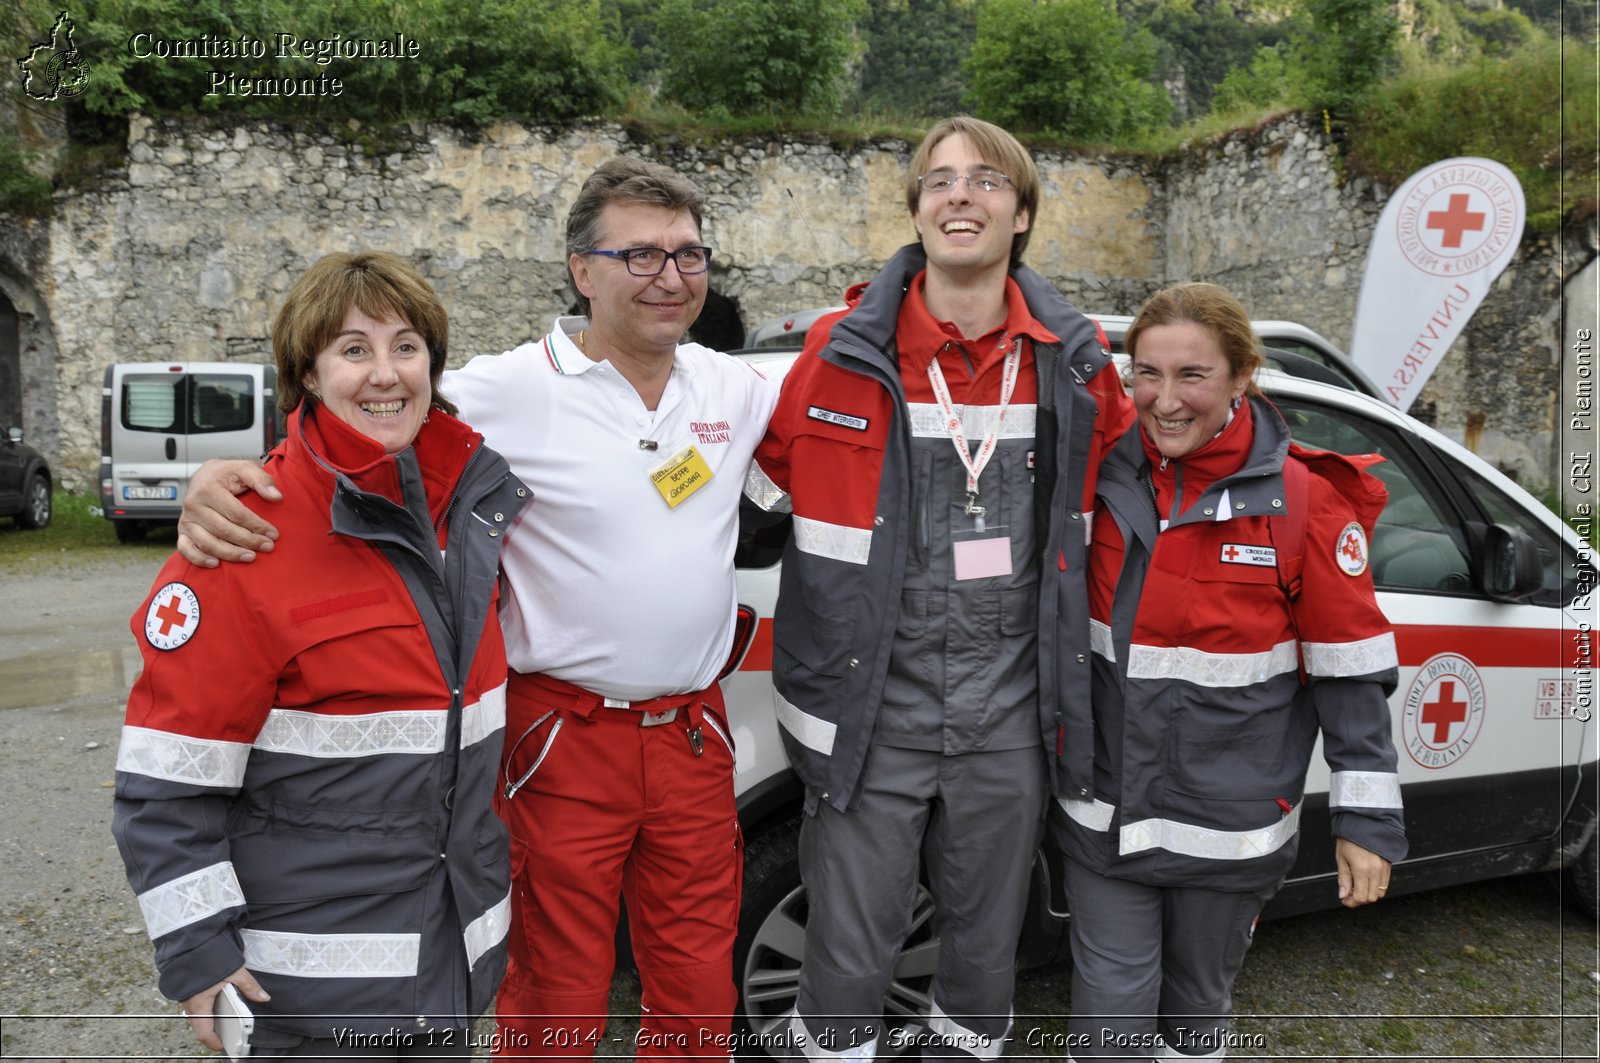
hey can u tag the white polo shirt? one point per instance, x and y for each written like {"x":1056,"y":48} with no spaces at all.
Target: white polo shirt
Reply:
{"x":611,"y":588}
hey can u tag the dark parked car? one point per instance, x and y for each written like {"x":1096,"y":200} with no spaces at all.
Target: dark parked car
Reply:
{"x":25,"y":482}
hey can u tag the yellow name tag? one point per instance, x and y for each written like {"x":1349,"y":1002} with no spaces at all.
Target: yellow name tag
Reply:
{"x":681,"y":475}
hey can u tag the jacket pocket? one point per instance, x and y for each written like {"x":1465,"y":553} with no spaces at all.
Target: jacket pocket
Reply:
{"x":303,"y":854}
{"x":1019,"y":610}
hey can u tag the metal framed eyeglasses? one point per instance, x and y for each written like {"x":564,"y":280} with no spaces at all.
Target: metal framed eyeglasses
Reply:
{"x":977,"y":180}
{"x":650,"y":261}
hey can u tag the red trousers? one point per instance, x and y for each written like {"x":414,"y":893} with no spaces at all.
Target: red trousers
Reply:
{"x":607,"y":803}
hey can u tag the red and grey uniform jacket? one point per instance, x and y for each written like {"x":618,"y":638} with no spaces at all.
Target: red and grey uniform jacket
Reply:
{"x":1212,"y":679}
{"x":837,"y":454}
{"x":305,"y":777}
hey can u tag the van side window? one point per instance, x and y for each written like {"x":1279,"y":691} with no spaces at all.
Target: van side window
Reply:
{"x":152,"y":403}
{"x":188,"y":403}
{"x":222,"y":403}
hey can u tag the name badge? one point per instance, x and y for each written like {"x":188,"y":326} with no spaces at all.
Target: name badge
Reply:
{"x":681,"y":475}
{"x":982,"y":558}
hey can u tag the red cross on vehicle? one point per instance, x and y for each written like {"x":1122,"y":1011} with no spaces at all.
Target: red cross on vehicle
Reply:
{"x":1444,"y":713}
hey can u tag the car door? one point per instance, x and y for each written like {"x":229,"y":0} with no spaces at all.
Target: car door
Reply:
{"x":1486,"y":719}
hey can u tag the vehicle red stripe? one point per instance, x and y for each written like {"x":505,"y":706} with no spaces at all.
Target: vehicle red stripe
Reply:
{"x":1486,"y":647}
{"x":1492,"y":647}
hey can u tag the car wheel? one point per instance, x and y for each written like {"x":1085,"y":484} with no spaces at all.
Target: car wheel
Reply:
{"x":36,"y":504}
{"x":129,"y":531}
{"x":771,"y":944}
{"x":1582,"y":879}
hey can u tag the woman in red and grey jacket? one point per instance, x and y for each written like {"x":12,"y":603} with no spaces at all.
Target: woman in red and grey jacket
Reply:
{"x":304,"y":785}
{"x":1217,"y":662}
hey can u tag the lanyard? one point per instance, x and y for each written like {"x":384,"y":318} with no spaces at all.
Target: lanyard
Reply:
{"x":952,"y":422}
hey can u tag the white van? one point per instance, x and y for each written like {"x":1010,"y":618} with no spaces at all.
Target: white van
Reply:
{"x":160,"y":420}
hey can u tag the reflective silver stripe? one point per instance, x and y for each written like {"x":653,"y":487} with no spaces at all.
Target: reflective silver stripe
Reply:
{"x":1207,"y":842}
{"x":832,"y":540}
{"x":1100,"y":641}
{"x":190,"y":899}
{"x":312,"y":734}
{"x":927,"y":421}
{"x":978,"y":1045}
{"x":1088,"y":527}
{"x":332,"y":955}
{"x":813,"y":732}
{"x":1376,"y":654}
{"x":866,"y":1052}
{"x":759,"y":488}
{"x":180,"y":758}
{"x":1210,"y":669}
{"x":1095,"y":814}
{"x":1364,"y":789}
{"x":717,"y":730}
{"x":488,"y":930}
{"x":484,"y":717}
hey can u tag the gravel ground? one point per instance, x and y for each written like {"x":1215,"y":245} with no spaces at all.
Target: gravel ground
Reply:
{"x":1491,"y":971}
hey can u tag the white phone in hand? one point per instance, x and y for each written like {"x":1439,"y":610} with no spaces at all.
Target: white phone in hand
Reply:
{"x":234,"y":1022}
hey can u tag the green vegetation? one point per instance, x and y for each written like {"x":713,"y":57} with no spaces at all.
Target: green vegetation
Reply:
{"x":1507,"y":109}
{"x":1071,"y":67}
{"x":76,"y":532}
{"x":21,"y":192}
{"x":1401,"y":85}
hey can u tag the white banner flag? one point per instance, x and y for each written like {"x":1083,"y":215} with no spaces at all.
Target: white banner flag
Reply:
{"x":1442,"y":240}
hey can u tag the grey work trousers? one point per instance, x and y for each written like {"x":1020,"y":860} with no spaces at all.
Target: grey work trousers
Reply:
{"x":1153,"y":966}
{"x":976,"y":819}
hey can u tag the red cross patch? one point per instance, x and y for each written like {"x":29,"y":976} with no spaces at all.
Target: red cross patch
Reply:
{"x":1246,"y":554}
{"x":172,"y":618}
{"x":1351,"y":552}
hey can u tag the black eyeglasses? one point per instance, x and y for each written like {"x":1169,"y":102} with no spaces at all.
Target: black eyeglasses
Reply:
{"x":650,"y":261}
{"x":977,"y":180}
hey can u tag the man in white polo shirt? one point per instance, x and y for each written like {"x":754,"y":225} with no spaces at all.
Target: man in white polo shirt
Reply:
{"x":618,"y":615}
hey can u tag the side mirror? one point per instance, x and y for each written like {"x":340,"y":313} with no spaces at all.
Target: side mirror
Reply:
{"x":1511,"y":568}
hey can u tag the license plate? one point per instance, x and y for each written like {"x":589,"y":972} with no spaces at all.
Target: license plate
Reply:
{"x":145,"y":493}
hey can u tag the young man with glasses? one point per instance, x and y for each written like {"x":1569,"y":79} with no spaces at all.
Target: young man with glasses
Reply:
{"x":934,"y":442}
{"x":618,"y":614}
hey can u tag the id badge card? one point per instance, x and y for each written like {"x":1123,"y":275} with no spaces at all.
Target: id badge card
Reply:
{"x":981,"y":554}
{"x":681,"y":475}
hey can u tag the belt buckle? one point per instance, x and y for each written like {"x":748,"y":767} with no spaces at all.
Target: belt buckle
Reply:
{"x":656,"y":719}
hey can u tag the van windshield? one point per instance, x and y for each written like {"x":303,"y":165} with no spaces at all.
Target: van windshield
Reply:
{"x":188,"y":403}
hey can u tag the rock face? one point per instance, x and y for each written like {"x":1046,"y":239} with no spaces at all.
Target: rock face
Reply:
{"x":186,"y":253}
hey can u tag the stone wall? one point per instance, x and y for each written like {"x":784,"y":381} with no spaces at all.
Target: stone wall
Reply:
{"x":186,"y":252}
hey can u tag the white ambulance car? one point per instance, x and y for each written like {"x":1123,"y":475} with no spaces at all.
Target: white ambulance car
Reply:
{"x":1492,"y":600}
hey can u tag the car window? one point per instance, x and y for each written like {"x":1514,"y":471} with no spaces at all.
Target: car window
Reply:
{"x":1558,"y":562}
{"x":1315,"y":354}
{"x":1419,"y":544}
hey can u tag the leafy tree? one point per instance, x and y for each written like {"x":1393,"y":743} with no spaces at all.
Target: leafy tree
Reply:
{"x":1272,"y":79}
{"x":748,"y":56}
{"x":1070,"y":67}
{"x":1350,"y":48}
{"x":1204,"y":40}
{"x":914,"y":50}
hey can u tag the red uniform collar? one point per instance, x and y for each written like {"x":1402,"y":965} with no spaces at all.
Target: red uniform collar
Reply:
{"x":1222,"y":455}
{"x":919,"y":335}
{"x":442,"y":448}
